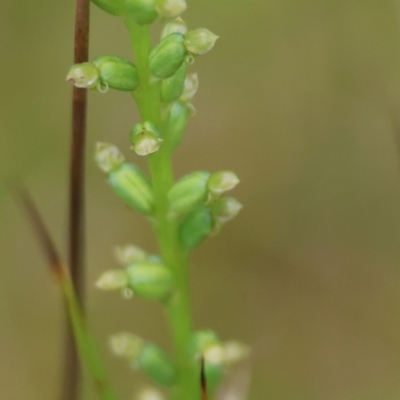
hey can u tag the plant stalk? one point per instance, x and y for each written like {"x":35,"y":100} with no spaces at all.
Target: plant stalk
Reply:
{"x":147,"y":97}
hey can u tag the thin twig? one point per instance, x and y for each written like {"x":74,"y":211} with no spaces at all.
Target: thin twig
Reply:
{"x":203,"y":380}
{"x":70,"y":385}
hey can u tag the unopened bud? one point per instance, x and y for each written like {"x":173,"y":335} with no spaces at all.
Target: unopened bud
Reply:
{"x":114,"y":7}
{"x":197,"y":226}
{"x":129,"y":254}
{"x":200,"y":41}
{"x":171,"y":8}
{"x":172,"y":87}
{"x":166,"y":58}
{"x":85,"y":75}
{"x":149,"y":279}
{"x":132,"y":186}
{"x":176,"y":124}
{"x":157,"y":364}
{"x":178,"y":25}
{"x":188,"y":192}
{"x":142,"y":11}
{"x":201,"y":341}
{"x":117,"y":73}
{"x":225,"y":209}
{"x":190,"y":87}
{"x":145,"y":139}
{"x":108,"y":157}
{"x":113,"y":280}
{"x":126,"y":345}
{"x":221,"y":182}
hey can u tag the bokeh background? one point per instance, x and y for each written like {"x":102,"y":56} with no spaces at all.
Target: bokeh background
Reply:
{"x":302,"y":100}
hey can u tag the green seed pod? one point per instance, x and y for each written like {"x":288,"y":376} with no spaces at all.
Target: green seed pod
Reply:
{"x":108,"y":157}
{"x":145,"y":138}
{"x":129,"y":254}
{"x":166,"y":58}
{"x":150,"y":279}
{"x":176,"y":124}
{"x":142,"y":11}
{"x":126,"y":345}
{"x":132,"y":186}
{"x":157,"y":364}
{"x":190,"y":87}
{"x":178,"y":25}
{"x":113,"y":280}
{"x":117,"y":73}
{"x":114,"y":7}
{"x":195,"y":228}
{"x":221,"y":182}
{"x":200,"y":41}
{"x":84,"y":75}
{"x":172,"y":87}
{"x":189,"y":192}
{"x":171,"y":8}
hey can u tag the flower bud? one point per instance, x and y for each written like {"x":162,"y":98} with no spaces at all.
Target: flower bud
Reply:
{"x":129,"y":254}
{"x":176,"y":124}
{"x":108,"y":157}
{"x":132,"y":186}
{"x":113,"y":280}
{"x":126,"y":345}
{"x":157,"y":364}
{"x":166,"y":58}
{"x":172,"y":87}
{"x":114,"y":7}
{"x":222,"y":181}
{"x":201,"y":341}
{"x":178,"y":25}
{"x":195,"y":228}
{"x":142,"y":11}
{"x":188,"y":192}
{"x":117,"y":73}
{"x":190,"y":87}
{"x":171,"y":8}
{"x":145,"y":139}
{"x":85,"y":75}
{"x":149,"y":279}
{"x":225,"y":209}
{"x":200,"y":41}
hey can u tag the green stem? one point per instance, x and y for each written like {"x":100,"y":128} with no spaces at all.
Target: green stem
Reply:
{"x":147,"y":97}
{"x":86,"y":345}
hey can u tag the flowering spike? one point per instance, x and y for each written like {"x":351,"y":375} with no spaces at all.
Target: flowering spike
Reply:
{"x":200,"y":41}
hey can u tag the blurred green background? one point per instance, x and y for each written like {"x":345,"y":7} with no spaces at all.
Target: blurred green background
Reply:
{"x":302,"y":100}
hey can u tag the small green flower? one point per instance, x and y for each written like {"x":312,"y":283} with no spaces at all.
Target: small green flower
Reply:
{"x":171,"y":8}
{"x":200,"y":41}
{"x":85,"y":75}
{"x":178,"y":25}
{"x":145,"y":138}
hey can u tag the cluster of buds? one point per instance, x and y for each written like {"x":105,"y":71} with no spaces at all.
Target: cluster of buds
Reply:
{"x":198,"y":197}
{"x":143,"y":275}
{"x":146,"y":356}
